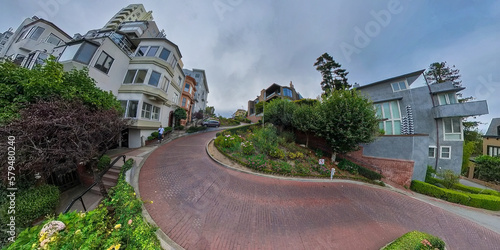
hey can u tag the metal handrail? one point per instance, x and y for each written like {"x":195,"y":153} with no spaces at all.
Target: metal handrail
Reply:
{"x":79,"y":197}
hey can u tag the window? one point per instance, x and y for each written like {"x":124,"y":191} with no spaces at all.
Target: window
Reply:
{"x":141,"y":51}
{"x":445,"y":152}
{"x":391,"y":117}
{"x":135,"y":76}
{"x":104,"y":62}
{"x":176,"y":98}
{"x":180,"y":81}
{"x":81,"y":52}
{"x":452,"y":129}
{"x":173,"y":61}
{"x":164,"y":54}
{"x":447,"y":98}
{"x":41,"y":58}
{"x":152,"y":51}
{"x":156,"y":113}
{"x":154,"y":79}
{"x":493,"y":151}
{"x":398,"y":86}
{"x":183,"y":102}
{"x":146,"y":110}
{"x":21,"y":36}
{"x":197,"y":75}
{"x":130,"y":108}
{"x":186,"y":87}
{"x":35,"y":33}
{"x":287,"y":92}
{"x":432,"y":151}
{"x":147,"y":51}
{"x":53,"y":39}
{"x":166,"y":83}
{"x":19,"y":59}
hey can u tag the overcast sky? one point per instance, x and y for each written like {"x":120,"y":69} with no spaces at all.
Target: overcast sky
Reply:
{"x":245,"y":46}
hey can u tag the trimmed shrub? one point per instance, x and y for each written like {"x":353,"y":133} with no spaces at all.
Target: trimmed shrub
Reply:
{"x":489,"y":202}
{"x":372,"y":175}
{"x":416,"y":240}
{"x":31,"y":204}
{"x":464,"y":188}
{"x":195,"y":129}
{"x":475,"y":190}
{"x":180,"y":127}
{"x":354,"y":168}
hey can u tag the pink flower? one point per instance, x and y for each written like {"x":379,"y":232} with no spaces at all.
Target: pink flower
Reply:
{"x":130,"y":221}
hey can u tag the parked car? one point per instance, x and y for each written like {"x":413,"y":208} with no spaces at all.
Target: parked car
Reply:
{"x":211,"y":123}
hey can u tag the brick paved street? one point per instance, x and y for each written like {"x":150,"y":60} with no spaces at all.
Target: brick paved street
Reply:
{"x":202,"y":205}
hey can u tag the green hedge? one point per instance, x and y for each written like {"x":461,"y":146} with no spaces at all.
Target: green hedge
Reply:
{"x":416,"y":240}
{"x":240,"y":129}
{"x":473,"y":190}
{"x":195,"y":129}
{"x":31,"y":204}
{"x":355,"y":168}
{"x":489,"y":202}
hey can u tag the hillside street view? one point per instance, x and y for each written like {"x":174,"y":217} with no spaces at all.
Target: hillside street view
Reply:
{"x":249,"y":125}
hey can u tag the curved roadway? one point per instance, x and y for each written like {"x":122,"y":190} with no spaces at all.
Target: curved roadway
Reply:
{"x":200,"y":204}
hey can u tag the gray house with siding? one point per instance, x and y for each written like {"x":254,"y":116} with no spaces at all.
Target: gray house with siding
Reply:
{"x":421,"y":122}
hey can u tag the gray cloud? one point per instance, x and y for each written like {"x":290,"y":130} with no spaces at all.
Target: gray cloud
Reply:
{"x":245,"y":46}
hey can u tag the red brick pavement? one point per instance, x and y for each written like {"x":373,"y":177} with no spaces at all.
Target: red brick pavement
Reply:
{"x":202,"y":205}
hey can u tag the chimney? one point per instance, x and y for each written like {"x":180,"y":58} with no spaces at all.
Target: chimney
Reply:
{"x":291,"y":85}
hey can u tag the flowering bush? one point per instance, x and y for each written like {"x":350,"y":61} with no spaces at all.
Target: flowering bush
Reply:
{"x":322,"y":170}
{"x":281,"y":167}
{"x":247,"y":148}
{"x":257,"y":162}
{"x":276,"y":153}
{"x":294,"y":156}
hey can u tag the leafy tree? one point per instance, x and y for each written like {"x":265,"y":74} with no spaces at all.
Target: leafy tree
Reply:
{"x":469,"y":147}
{"x":305,"y":119}
{"x":306,"y":101}
{"x":488,"y":168}
{"x":210,"y":111}
{"x":334,"y":78}
{"x":279,"y":112}
{"x":55,"y":136}
{"x":345,"y":119}
{"x":179,"y":114}
{"x":439,"y":72}
{"x":259,"y":107}
{"x":199,"y":114}
{"x":59,"y":118}
{"x":20,"y":87}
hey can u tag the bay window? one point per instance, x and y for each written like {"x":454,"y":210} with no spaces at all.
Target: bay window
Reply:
{"x":390,"y":114}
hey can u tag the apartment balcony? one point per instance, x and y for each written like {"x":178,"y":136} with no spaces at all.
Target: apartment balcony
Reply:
{"x":460,"y":109}
{"x":153,"y":93}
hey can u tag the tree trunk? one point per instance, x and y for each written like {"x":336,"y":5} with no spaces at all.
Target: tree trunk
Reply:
{"x":334,"y":157}
{"x":98,"y":179}
{"x":307,"y":140}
